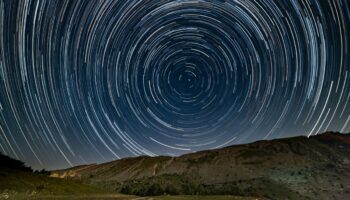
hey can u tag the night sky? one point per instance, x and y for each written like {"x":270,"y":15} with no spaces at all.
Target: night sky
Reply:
{"x":92,"y":81}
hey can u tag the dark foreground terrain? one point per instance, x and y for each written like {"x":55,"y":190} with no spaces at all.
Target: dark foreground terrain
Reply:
{"x":19,"y":182}
{"x":292,"y":168}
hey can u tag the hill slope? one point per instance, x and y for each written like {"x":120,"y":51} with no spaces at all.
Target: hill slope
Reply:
{"x":17,"y":180}
{"x":292,"y":168}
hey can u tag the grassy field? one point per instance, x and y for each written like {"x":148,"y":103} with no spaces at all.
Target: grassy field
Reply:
{"x":19,"y":182}
{"x":69,"y":197}
{"x":119,"y":197}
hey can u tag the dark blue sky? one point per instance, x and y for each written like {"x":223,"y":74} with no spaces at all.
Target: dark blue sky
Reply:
{"x":92,"y":81}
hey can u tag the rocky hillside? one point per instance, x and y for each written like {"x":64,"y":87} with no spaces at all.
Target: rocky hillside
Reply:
{"x":291,"y":168}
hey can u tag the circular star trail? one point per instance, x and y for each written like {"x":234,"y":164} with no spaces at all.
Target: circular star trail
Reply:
{"x":91,"y":81}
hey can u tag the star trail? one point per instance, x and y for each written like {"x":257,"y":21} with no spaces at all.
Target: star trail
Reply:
{"x":91,"y":81}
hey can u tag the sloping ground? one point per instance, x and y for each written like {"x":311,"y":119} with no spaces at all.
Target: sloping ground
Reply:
{"x":127,"y":197}
{"x":17,"y":180}
{"x":292,"y":168}
{"x":24,"y":185}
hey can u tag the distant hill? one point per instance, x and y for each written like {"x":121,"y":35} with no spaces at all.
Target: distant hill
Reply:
{"x":18,"y":180}
{"x":292,"y":168}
